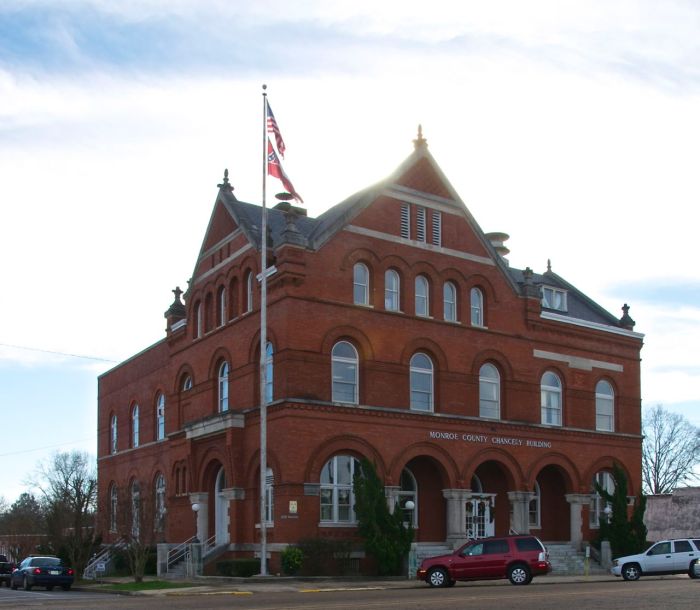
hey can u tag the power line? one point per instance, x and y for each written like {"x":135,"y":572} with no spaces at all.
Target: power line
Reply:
{"x":48,"y":351}
{"x":82,"y":440}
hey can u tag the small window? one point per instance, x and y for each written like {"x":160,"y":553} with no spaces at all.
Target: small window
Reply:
{"x":269,"y":373}
{"x":496,"y":547}
{"x":187,"y":383}
{"x":221,"y":306}
{"x":476,"y":299}
{"x":422,"y":302}
{"x":437,"y":228}
{"x":135,"y":426}
{"x":197,"y":320}
{"x":113,"y":434}
{"x":344,"y":373}
{"x":534,"y":510}
{"x":405,"y":221}
{"x":421,"y":375}
{"x":682,"y":546}
{"x":360,"y":284}
{"x":554,"y":298}
{"x":223,"y":387}
{"x":391,"y":290}
{"x":551,"y":399}
{"x":269,"y":497}
{"x":489,"y":392}
{"x":420,"y":224}
{"x":113,"y":506}
{"x":604,"y":406}
{"x":449,"y":298}
{"x":249,"y":292}
{"x":663,"y":548}
{"x":160,"y":417}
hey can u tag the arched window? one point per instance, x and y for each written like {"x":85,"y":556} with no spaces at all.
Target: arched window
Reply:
{"x":197,"y":320}
{"x":113,"y":507}
{"x":269,"y":496}
{"x":597,"y":508}
{"x":160,"y":416}
{"x":360,"y":284}
{"x":135,"y":493}
{"x":113,"y":434}
{"x":534,"y":508}
{"x":409,"y":491}
{"x":135,"y":426}
{"x":489,"y":392}
{"x":344,"y":372}
{"x":422,"y":302}
{"x":186,"y":383}
{"x":337,"y":496}
{"x":221,"y":306}
{"x":160,"y":510}
{"x":223,"y":387}
{"x":476,"y":299}
{"x":391,"y":290}
{"x":421,"y":383}
{"x":269,"y":373}
{"x":449,"y":301}
{"x":604,"y":406}
{"x":249,"y":291}
{"x":551,"y":399}
{"x":233,"y":298}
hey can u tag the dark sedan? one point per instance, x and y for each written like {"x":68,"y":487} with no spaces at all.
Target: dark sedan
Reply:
{"x":44,"y":571}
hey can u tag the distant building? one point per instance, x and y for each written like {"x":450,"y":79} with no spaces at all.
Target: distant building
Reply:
{"x":674,"y":515}
{"x":491,"y":397}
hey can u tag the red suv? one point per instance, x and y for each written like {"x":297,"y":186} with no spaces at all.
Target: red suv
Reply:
{"x":517,"y":558}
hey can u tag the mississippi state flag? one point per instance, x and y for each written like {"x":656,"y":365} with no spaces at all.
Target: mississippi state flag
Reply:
{"x":272,"y":127}
{"x":274,"y":168}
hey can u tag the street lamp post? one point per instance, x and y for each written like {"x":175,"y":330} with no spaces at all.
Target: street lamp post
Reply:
{"x":195,"y":510}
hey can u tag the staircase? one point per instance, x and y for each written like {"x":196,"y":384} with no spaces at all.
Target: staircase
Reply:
{"x":421,"y":550}
{"x":567,"y":561}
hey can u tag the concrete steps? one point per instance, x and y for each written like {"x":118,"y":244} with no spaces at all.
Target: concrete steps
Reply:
{"x":567,"y":561}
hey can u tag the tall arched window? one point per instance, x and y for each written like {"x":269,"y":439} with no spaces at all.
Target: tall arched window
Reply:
{"x":269,"y":496}
{"x":135,"y":426}
{"x":551,"y":399}
{"x":422,"y":302}
{"x":449,"y":301}
{"x":249,"y":291}
{"x":221,"y":306}
{"x":421,"y":375}
{"x":135,"y":492}
{"x":391,"y":290}
{"x":113,"y":507}
{"x":197,"y":320}
{"x":604,"y":406}
{"x":269,"y":373}
{"x":337,"y":496}
{"x":223,"y":387}
{"x":160,"y":416}
{"x":489,"y":392}
{"x":186,"y":383}
{"x":409,"y":491}
{"x":360,"y":284}
{"x":233,"y":298}
{"x":159,"y":495}
{"x":476,"y":299}
{"x":113,"y":434}
{"x":344,"y":372}
{"x":597,"y":507}
{"x":534,"y":508}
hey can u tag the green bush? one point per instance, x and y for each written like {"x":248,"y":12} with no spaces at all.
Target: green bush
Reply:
{"x":292,"y":559}
{"x":240,"y":567}
{"x":325,"y":557}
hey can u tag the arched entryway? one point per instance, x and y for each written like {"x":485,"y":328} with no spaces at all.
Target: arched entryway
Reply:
{"x":487,"y":511}
{"x":422,"y":481}
{"x":220,"y":501}
{"x":549,"y":510}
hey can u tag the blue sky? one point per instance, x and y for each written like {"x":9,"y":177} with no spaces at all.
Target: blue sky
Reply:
{"x":571,"y":125}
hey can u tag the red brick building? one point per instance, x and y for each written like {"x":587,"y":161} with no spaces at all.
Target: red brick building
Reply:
{"x":490,"y":396}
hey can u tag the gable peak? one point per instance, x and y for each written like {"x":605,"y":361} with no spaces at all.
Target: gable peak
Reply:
{"x":420,"y":142}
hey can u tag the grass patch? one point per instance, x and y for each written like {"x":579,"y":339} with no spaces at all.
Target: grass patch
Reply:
{"x":147,"y":585}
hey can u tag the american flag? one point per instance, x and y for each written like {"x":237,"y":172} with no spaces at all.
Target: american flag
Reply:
{"x":272,"y":127}
{"x":274,"y":168}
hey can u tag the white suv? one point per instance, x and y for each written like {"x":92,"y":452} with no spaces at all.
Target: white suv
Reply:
{"x":665,"y":557}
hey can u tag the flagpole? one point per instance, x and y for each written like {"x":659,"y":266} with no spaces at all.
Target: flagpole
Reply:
{"x":263,"y":348}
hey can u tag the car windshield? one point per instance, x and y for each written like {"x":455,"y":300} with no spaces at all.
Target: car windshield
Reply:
{"x":46,"y":561}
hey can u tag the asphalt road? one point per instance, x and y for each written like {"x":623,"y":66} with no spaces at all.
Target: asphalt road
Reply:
{"x":668,"y":593}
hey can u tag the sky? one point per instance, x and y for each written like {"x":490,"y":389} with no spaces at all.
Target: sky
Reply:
{"x":573,"y":126}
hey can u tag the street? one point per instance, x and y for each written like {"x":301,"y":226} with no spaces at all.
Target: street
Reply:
{"x":646,"y":594}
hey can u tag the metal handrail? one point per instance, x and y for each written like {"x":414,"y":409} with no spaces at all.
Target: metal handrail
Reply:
{"x":104,"y":556}
{"x":178,"y":553}
{"x":208,"y":545}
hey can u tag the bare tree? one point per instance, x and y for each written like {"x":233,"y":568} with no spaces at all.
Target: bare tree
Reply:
{"x":670,"y":451}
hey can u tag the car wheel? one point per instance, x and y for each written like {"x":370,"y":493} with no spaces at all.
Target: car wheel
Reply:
{"x":691,"y":569}
{"x":65,"y":587}
{"x":437,"y":577}
{"x":519,"y":574}
{"x":631,"y":571}
{"x":27,"y":586}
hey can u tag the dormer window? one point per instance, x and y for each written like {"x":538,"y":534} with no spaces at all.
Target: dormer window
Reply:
{"x":554,"y":298}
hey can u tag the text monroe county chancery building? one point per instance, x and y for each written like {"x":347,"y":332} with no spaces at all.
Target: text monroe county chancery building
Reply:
{"x":490,"y":397}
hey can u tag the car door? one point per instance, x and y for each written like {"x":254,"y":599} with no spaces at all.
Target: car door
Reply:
{"x":683,"y":555}
{"x":467,"y":564}
{"x":658,"y":558}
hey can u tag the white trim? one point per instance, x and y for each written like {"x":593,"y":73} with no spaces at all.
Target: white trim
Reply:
{"x":223,"y":263}
{"x":576,"y":362}
{"x":179,"y":324}
{"x":219,"y":243}
{"x":418,"y":244}
{"x":556,"y":317}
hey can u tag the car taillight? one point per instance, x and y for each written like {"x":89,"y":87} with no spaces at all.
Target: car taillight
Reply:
{"x":37,"y":570}
{"x":70,"y":571}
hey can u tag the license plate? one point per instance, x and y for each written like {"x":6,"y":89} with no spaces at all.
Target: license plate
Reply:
{"x":54,"y":572}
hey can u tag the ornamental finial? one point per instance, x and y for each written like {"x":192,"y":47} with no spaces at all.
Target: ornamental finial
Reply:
{"x":420,"y":141}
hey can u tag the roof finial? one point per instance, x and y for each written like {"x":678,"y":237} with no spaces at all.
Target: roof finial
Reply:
{"x":626,"y":320}
{"x":420,"y":141}
{"x":549,"y":265}
{"x":225,"y":185}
